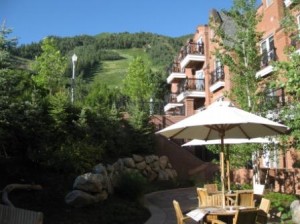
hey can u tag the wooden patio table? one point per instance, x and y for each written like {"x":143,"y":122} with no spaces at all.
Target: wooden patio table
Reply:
{"x":215,"y":212}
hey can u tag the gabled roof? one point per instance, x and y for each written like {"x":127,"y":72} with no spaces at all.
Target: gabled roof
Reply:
{"x":226,"y":23}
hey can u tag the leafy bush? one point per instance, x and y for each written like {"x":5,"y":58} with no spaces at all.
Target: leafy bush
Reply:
{"x":281,"y":203}
{"x":74,"y":158}
{"x":131,"y":185}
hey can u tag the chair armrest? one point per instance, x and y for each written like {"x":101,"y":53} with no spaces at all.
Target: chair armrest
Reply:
{"x":186,"y":218}
{"x":231,"y":201}
{"x":216,"y":221}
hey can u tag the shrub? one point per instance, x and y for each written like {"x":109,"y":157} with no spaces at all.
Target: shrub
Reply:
{"x":74,"y":158}
{"x":281,"y":203}
{"x":131,"y":185}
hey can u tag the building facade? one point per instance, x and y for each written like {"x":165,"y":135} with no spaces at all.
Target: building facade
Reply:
{"x":197,"y":78}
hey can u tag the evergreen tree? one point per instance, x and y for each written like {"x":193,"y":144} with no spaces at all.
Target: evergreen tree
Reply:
{"x":6,"y":45}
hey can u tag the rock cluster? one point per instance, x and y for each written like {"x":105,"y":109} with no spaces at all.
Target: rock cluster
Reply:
{"x":295,"y":210}
{"x":96,"y":185}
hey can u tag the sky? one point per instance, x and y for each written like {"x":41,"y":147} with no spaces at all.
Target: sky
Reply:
{"x":32,"y":20}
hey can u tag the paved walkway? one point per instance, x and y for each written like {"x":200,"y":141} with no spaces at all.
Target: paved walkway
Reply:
{"x":161,"y":207}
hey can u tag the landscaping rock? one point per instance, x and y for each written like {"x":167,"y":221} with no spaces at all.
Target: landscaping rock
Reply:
{"x":89,"y":182}
{"x":93,"y":187}
{"x":78,"y":199}
{"x":295,"y":210}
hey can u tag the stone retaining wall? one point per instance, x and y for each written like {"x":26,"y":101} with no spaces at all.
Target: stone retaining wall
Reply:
{"x":96,"y":185}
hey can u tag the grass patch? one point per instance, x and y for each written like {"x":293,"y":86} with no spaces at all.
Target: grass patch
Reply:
{"x":113,"y":72}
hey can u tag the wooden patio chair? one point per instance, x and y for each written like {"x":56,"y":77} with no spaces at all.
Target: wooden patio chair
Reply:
{"x":216,"y":199}
{"x":263,"y":211}
{"x":245,"y":198}
{"x":265,"y":205}
{"x":181,"y":219}
{"x":211,"y":188}
{"x":242,"y":216}
{"x":12,"y":215}
{"x":208,"y":200}
{"x":203,"y":198}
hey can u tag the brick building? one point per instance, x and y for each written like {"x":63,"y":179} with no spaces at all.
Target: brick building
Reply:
{"x":197,"y":78}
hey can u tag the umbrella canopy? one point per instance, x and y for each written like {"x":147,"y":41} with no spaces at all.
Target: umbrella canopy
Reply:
{"x":229,"y":141}
{"x":222,"y":120}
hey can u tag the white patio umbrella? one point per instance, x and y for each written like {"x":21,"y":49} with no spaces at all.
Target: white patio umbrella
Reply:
{"x":222,"y":120}
{"x":229,"y":141}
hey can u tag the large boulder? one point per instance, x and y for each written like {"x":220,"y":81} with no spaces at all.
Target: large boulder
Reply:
{"x":295,"y":210}
{"x":78,"y":199}
{"x":150,"y":159}
{"x":141,"y":165}
{"x":137,"y":158}
{"x":129,"y":162}
{"x":163,"y":175}
{"x":89,"y":182}
{"x":163,"y":162}
{"x":99,"y":169}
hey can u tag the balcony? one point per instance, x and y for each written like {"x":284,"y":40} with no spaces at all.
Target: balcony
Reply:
{"x":266,"y":63}
{"x":217,"y":79}
{"x":172,"y":103}
{"x":191,"y":55}
{"x":295,"y":42}
{"x":194,"y":88}
{"x":271,"y":101}
{"x":175,"y":73}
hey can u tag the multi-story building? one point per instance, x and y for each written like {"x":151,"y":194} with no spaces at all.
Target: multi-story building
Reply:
{"x":198,"y":78}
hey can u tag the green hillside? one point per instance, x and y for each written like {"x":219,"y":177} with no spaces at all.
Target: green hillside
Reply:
{"x":113,"y":72}
{"x":106,"y":56}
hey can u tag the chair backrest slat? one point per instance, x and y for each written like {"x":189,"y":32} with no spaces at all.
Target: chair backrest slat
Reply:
{"x":245,"y":199}
{"x":216,"y":199}
{"x":203,"y":198}
{"x":265,"y":205}
{"x":178,"y":212}
{"x":246,"y":216}
{"x":11,"y":215}
{"x":211,"y":188}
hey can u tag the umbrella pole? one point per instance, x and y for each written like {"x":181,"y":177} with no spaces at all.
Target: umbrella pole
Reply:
{"x":228,"y":168}
{"x":222,"y":170}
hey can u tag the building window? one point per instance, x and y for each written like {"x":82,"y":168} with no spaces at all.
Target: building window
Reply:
{"x":199,"y":80}
{"x":267,"y":48}
{"x":269,"y":2}
{"x":219,"y":69}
